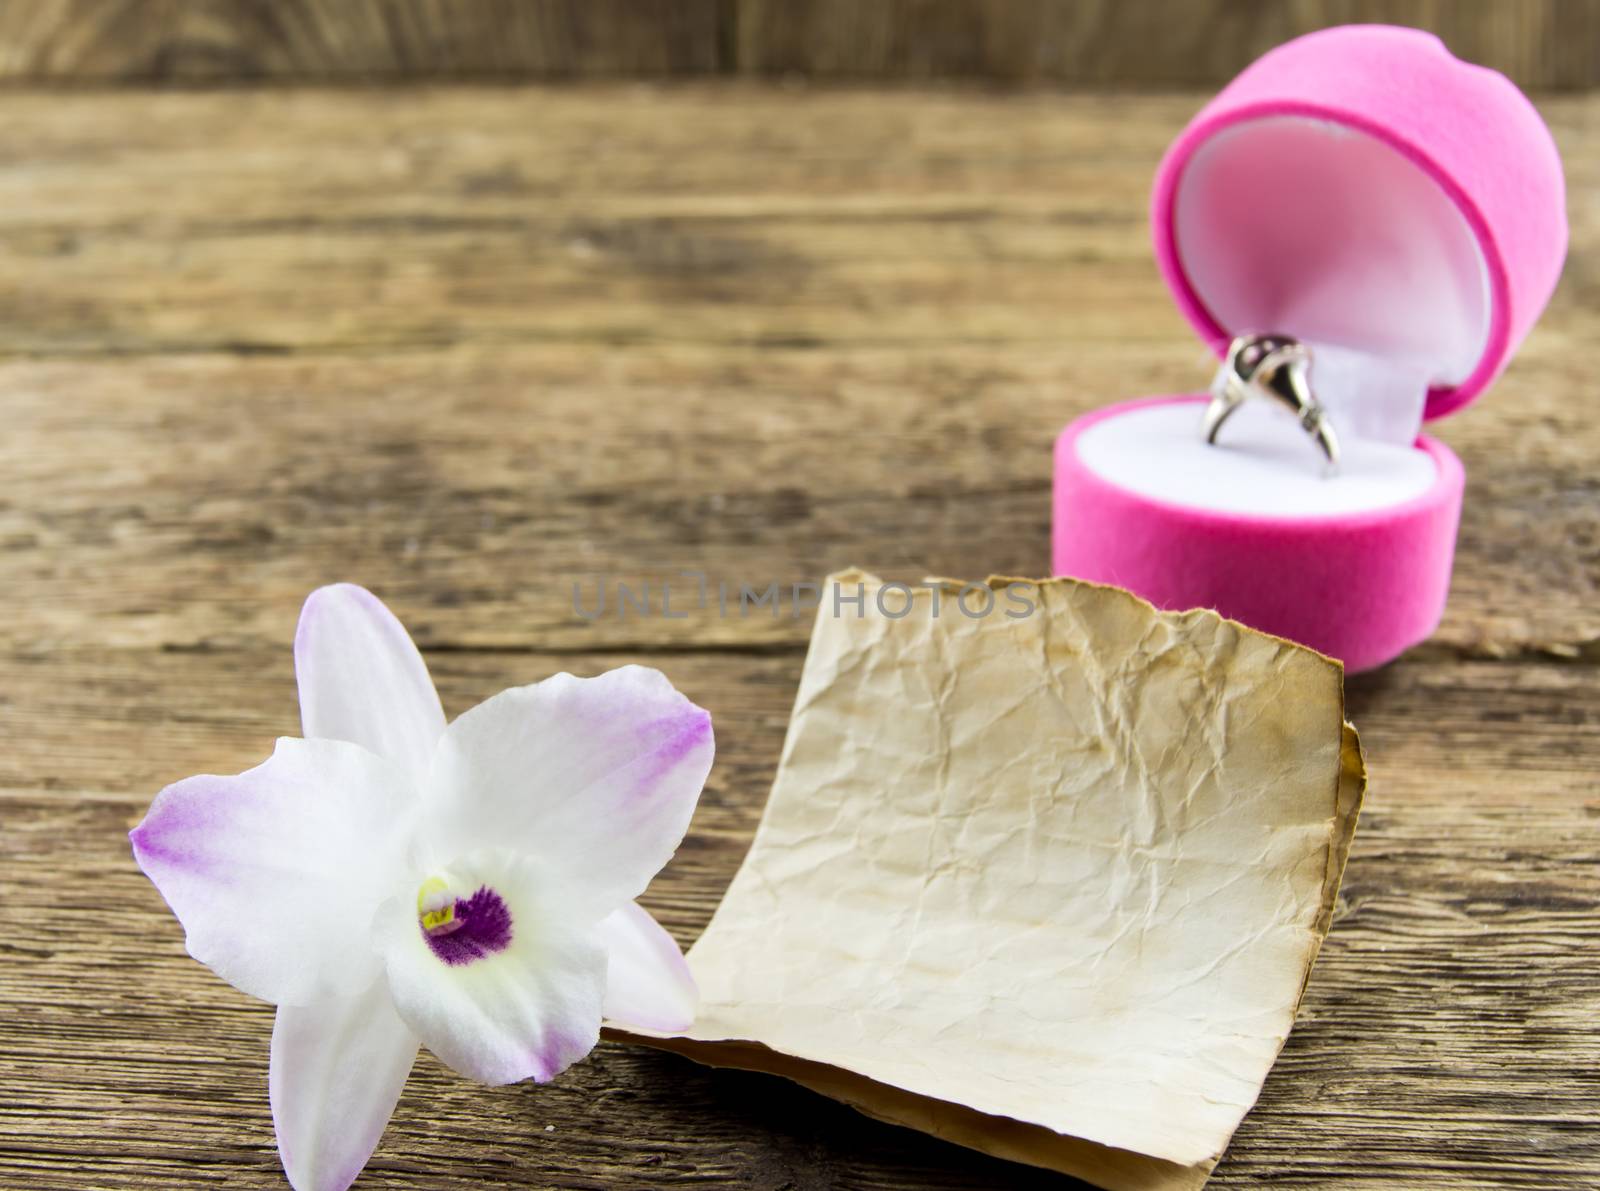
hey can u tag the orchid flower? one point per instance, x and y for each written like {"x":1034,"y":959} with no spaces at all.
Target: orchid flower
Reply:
{"x":390,"y":881}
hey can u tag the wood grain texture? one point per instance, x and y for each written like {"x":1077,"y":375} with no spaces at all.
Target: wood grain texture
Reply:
{"x":759,"y":335}
{"x":1543,"y":44}
{"x":470,"y":346}
{"x":362,"y":40}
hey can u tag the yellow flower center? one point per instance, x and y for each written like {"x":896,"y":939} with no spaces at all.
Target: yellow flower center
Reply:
{"x":436,"y":907}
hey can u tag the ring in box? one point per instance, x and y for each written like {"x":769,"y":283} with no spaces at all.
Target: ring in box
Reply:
{"x":1402,"y":214}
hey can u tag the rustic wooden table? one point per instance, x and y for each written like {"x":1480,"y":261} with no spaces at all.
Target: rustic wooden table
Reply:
{"x":470,"y":346}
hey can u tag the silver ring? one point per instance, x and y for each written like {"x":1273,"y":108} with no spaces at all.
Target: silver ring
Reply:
{"x":1278,"y":368}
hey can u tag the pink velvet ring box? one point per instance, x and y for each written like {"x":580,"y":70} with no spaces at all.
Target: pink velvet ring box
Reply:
{"x":1403,"y":214}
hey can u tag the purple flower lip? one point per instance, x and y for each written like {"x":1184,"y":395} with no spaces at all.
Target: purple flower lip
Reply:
{"x":479,"y":926}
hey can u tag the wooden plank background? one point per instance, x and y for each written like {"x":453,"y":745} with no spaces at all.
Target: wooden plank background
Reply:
{"x":470,"y":345}
{"x":1543,"y":44}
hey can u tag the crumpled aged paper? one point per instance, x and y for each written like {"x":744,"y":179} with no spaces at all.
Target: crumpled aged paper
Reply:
{"x":1045,"y":885}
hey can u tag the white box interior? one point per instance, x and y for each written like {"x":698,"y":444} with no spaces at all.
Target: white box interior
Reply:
{"x":1302,"y":226}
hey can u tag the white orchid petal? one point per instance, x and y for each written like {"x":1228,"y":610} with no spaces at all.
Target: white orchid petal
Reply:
{"x":362,"y":679}
{"x":518,"y":998}
{"x":338,"y":1067}
{"x":595,"y":777}
{"x":275,"y":873}
{"x":648,"y":982}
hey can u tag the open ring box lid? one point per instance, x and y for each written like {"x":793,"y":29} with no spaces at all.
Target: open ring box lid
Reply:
{"x":1401,"y":212}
